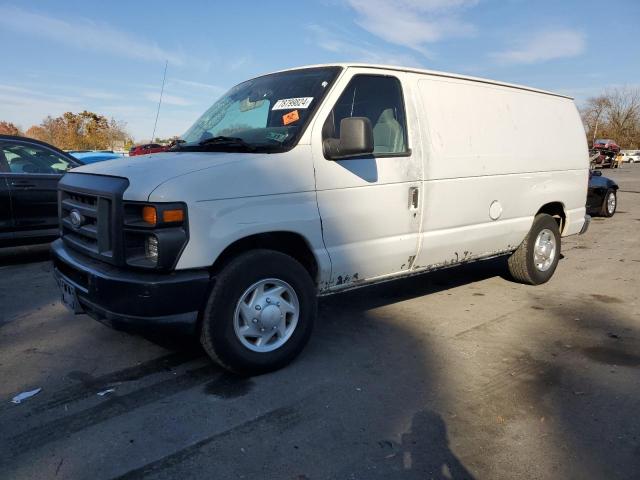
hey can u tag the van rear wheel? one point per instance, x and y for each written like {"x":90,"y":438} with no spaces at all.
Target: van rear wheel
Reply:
{"x":536,"y":259}
{"x":260,"y":313}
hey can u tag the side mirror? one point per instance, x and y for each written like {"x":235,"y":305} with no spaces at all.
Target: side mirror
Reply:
{"x":356,"y":139}
{"x":596,"y":173}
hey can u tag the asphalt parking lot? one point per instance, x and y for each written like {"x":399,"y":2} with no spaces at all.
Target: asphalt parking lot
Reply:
{"x":456,"y":374}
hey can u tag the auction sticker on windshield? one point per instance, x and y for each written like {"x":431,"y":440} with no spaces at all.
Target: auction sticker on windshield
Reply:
{"x":290,"y":103}
{"x":290,"y":117}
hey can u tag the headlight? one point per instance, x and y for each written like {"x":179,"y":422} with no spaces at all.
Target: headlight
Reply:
{"x":151,"y":249}
{"x":155,"y":234}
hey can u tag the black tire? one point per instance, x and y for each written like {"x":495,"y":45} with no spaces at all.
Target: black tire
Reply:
{"x":521,"y":262}
{"x":605,"y":211}
{"x":218,"y":335}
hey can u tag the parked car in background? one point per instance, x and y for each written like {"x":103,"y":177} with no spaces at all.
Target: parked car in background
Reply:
{"x":631,"y":156}
{"x":93,"y":157}
{"x":29,"y":174}
{"x":602,"y":196}
{"x":606,"y":144}
{"x":147,"y":148}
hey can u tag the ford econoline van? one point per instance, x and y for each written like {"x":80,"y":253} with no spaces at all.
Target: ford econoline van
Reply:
{"x":315,"y":180}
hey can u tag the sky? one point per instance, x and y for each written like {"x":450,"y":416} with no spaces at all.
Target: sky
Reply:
{"x":109,"y":57}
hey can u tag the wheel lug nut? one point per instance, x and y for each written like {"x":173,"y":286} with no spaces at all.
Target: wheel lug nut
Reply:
{"x":262,"y":329}
{"x":274,"y":327}
{"x":268,"y":300}
{"x":258,"y":307}
{"x":278,"y":304}
{"x":255,"y":320}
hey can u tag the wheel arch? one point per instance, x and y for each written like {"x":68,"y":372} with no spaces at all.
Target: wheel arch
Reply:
{"x":290,"y":243}
{"x":557,"y":211}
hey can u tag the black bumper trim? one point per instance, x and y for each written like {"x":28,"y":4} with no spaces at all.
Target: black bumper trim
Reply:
{"x":128,"y":298}
{"x":181,"y":322}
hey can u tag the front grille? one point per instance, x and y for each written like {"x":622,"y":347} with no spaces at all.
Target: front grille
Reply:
{"x":90,"y":210}
{"x":93,"y":231}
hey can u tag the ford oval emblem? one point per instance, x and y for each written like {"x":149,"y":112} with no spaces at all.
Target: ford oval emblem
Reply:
{"x":76,"y":218}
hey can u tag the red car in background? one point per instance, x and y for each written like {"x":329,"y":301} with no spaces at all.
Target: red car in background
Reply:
{"x":147,"y":148}
{"x":606,"y":144}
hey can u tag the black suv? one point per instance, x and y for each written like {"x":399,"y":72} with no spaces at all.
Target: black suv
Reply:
{"x":29,"y":174}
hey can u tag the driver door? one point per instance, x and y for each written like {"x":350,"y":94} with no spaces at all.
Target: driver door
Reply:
{"x":370,"y":205}
{"x":34,"y":172}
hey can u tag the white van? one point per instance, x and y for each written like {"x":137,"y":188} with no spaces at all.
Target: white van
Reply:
{"x":314,"y":180}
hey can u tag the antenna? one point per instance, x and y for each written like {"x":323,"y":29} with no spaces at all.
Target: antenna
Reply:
{"x":164,"y":77}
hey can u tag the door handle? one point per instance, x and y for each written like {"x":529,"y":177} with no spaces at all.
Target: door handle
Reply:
{"x":414,"y":195}
{"x":22,"y":184}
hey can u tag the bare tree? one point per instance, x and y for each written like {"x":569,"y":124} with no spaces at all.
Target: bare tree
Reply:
{"x":624,"y":115}
{"x":615,"y":114}
{"x":592,"y":115}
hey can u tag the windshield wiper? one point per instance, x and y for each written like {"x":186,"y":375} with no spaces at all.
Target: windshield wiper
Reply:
{"x":227,"y":141}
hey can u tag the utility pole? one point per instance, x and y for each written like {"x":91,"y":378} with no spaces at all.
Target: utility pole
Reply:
{"x":164,"y":77}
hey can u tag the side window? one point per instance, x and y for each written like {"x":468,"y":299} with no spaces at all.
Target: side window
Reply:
{"x":33,"y":159}
{"x":4,"y":164}
{"x":379,"y":98}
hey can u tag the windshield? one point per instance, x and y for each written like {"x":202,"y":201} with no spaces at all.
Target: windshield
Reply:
{"x":267,"y":113}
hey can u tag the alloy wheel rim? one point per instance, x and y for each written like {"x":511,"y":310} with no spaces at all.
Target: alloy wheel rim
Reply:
{"x":544,"y":250}
{"x":611,"y":203}
{"x":266,"y":315}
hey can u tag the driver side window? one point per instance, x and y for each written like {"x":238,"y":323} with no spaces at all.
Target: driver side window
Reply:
{"x":379,"y":98}
{"x":33,"y":159}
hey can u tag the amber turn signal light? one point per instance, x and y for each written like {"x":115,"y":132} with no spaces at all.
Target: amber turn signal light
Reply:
{"x":173,"y":216}
{"x":149,"y":215}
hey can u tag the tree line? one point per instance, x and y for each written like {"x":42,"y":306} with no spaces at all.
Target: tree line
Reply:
{"x":76,"y":131}
{"x":614,"y":114}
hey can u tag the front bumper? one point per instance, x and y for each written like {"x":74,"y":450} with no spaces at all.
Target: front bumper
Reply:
{"x":124,"y":298}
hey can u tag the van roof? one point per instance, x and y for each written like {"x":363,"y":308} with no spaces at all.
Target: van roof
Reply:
{"x":432,"y":73}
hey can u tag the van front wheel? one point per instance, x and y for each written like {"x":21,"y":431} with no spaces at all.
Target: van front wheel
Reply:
{"x":536,"y":259}
{"x":260,"y":313}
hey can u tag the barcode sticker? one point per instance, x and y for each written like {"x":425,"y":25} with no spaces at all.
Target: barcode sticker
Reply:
{"x":291,"y":103}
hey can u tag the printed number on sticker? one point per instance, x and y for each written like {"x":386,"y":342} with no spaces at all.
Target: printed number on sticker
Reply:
{"x":289,"y":103}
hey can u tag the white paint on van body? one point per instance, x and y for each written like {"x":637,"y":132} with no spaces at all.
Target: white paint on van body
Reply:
{"x":487,"y":143}
{"x":369,"y":229}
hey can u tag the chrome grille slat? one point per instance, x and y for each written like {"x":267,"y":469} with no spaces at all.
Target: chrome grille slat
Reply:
{"x":84,"y":209}
{"x":87,"y":230}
